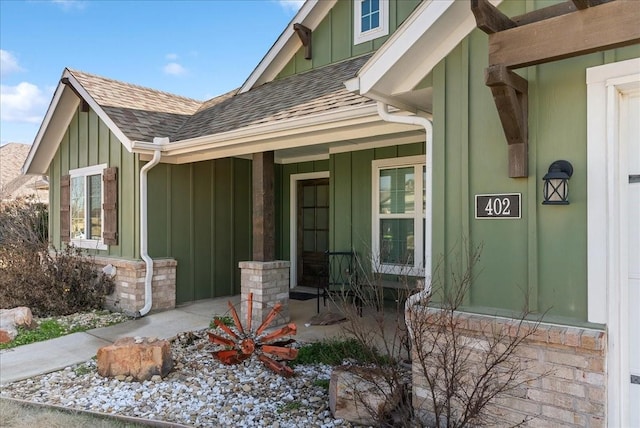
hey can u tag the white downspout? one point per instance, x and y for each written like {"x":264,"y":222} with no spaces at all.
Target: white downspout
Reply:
{"x":144,"y":250}
{"x":383,"y":111}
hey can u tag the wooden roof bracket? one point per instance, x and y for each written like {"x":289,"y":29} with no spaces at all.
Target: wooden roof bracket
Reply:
{"x":510,"y":93}
{"x":84,"y":105}
{"x":564,"y":30}
{"x":305,"y":37}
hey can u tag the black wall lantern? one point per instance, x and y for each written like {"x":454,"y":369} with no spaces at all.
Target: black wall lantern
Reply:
{"x":556,"y":186}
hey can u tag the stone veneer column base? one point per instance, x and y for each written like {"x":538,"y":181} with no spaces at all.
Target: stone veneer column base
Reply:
{"x":128,"y":295}
{"x":573,"y":393}
{"x":269,"y":283}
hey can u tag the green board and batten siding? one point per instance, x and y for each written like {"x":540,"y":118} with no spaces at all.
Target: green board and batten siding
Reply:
{"x":200,"y":215}
{"x":544,"y":254}
{"x":540,"y":257}
{"x":332,"y":40}
{"x":88,"y":141}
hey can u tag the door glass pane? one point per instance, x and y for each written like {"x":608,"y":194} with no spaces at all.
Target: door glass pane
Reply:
{"x":95,"y":202}
{"x":322,"y":218}
{"x":322,"y":192}
{"x":77,"y":208}
{"x":308,"y":218}
{"x":397,"y":241}
{"x":308,"y":196}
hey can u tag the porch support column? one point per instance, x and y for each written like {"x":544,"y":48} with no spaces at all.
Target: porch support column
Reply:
{"x":264,"y":277}
{"x":264,"y":225}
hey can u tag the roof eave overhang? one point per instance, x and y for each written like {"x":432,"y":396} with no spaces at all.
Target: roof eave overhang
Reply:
{"x":310,"y":15}
{"x":430,"y":33}
{"x":56,"y":120}
{"x":322,"y":128}
{"x":63,"y":106}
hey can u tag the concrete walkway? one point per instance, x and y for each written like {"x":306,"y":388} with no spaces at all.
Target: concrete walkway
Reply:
{"x":38,"y":358}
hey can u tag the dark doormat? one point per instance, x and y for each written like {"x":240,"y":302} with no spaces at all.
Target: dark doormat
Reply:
{"x":297,"y":295}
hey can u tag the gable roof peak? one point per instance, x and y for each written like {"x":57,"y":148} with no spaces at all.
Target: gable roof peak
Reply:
{"x":310,"y":15}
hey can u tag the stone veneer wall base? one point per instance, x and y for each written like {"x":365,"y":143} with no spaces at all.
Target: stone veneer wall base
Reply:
{"x":128,"y":295}
{"x":573,"y":391}
{"x":269,"y":283}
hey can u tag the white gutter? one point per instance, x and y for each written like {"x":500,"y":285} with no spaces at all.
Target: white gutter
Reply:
{"x":383,"y":111}
{"x":144,"y":251}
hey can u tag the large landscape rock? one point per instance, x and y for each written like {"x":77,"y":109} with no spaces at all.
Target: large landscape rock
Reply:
{"x":141,"y":358}
{"x":11,"y":319}
{"x":359,"y":394}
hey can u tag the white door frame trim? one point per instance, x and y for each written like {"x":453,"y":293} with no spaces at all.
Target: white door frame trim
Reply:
{"x":607,"y":253}
{"x":293,"y":219}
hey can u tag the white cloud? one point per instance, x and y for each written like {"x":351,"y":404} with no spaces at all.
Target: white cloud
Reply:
{"x":8,"y":63}
{"x":70,"y":4}
{"x":171,"y":56}
{"x":22,"y":103}
{"x":174,"y":69}
{"x":291,"y":5}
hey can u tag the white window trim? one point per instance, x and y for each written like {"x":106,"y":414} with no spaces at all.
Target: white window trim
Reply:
{"x":358,"y":35}
{"x":607,"y":248}
{"x":417,"y":269}
{"x":94,"y":244}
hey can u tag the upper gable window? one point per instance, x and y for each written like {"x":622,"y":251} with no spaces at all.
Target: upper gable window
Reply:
{"x":371,"y":20}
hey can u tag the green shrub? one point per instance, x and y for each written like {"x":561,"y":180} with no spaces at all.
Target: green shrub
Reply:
{"x":334,"y":352}
{"x":225,"y":319}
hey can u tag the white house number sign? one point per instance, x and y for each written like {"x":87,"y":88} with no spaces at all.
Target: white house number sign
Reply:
{"x":499,"y":205}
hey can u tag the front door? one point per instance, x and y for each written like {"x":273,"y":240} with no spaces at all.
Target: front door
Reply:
{"x":630,"y":132}
{"x":313,"y":230}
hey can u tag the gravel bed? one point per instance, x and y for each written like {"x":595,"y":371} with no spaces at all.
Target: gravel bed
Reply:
{"x":87,"y":320}
{"x":199,"y":391}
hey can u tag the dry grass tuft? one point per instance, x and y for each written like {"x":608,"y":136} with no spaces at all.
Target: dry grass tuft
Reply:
{"x":17,"y":415}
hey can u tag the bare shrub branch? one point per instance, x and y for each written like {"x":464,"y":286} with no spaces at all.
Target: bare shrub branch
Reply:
{"x":462,"y":362}
{"x":49,"y":281}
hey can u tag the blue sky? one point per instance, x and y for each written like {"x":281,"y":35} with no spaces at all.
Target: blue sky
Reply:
{"x":197,"y":49}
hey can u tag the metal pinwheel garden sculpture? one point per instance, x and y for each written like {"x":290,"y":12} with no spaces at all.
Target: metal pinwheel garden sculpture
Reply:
{"x":242,"y":344}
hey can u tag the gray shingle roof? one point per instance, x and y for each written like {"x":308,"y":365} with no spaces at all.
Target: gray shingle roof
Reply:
{"x":13,"y":183}
{"x":140,"y":113}
{"x":143,"y":113}
{"x":300,"y":95}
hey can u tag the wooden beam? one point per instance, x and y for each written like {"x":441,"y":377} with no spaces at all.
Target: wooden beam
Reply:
{"x":583,"y":4}
{"x":264,"y":223}
{"x":488,"y":18}
{"x":544,"y":13}
{"x":510,"y":94}
{"x":607,"y":26}
{"x":304,"y":34}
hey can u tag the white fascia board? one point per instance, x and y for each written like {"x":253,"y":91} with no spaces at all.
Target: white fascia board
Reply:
{"x":37,"y":161}
{"x":265,"y":131}
{"x":306,"y":139}
{"x":433,"y":30}
{"x":99,"y":111}
{"x":320,"y":129}
{"x":310,"y":15}
{"x":59,"y":114}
